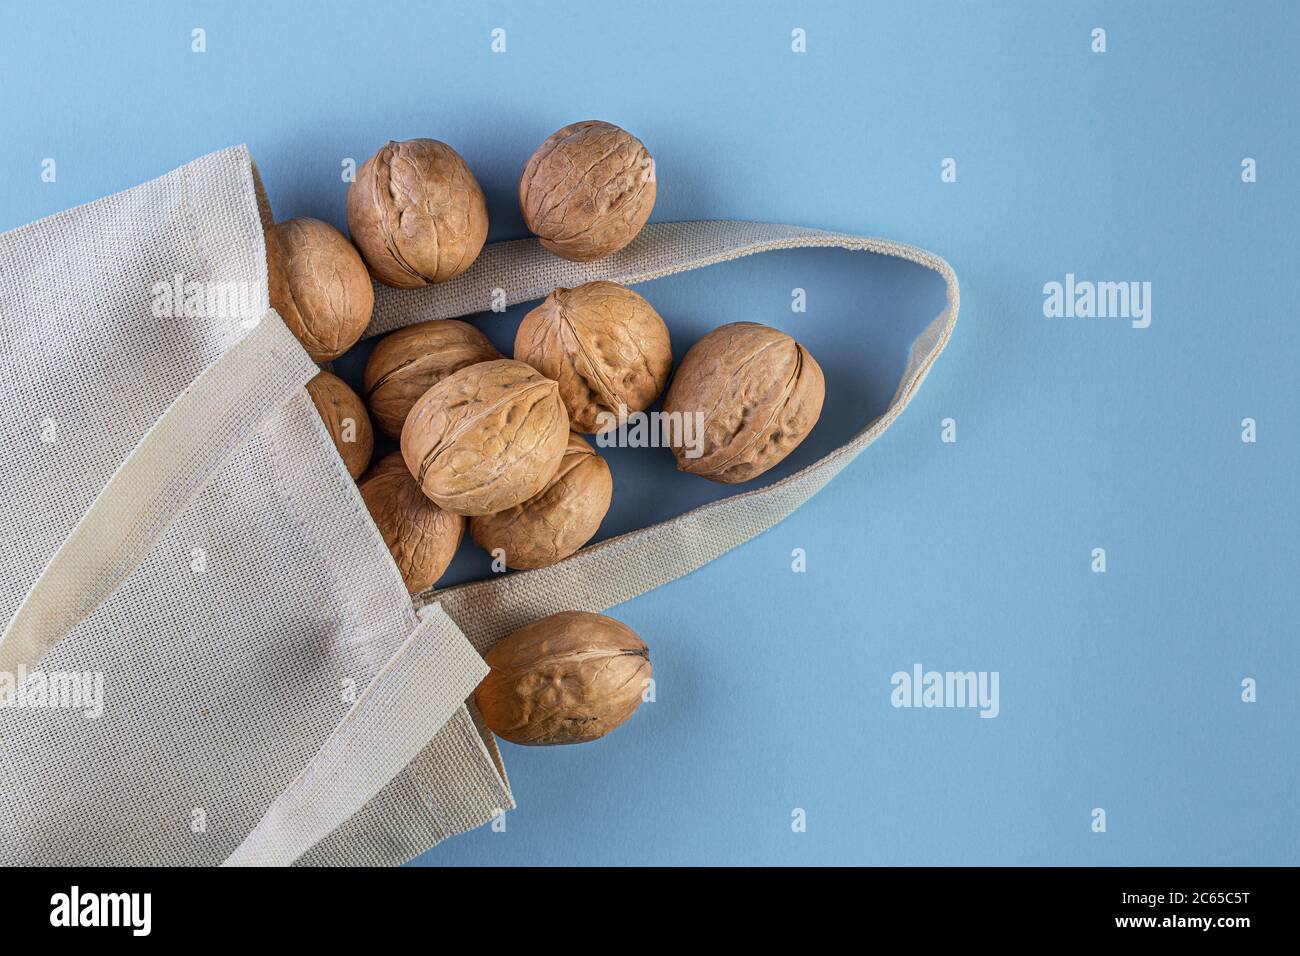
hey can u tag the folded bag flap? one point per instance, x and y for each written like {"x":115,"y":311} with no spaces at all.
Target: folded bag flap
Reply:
{"x":170,"y":465}
{"x":203,"y":549}
{"x":399,"y":713}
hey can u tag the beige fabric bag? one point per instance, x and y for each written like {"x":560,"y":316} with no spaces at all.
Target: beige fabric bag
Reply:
{"x":177,"y":522}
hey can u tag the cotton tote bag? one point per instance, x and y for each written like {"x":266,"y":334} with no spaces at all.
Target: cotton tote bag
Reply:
{"x":209,"y":655}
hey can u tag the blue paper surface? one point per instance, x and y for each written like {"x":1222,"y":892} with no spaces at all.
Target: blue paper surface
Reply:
{"x":1120,"y":691}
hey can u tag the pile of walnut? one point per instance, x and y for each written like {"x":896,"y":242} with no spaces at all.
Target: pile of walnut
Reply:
{"x":491,"y":442}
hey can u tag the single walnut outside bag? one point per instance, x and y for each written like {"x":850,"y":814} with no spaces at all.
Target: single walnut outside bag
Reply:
{"x":587,"y":191}
{"x":604,"y":344}
{"x":759,"y":393}
{"x":566,"y":679}
{"x":417,"y":213}
{"x":486,"y":438}
{"x":319,"y":285}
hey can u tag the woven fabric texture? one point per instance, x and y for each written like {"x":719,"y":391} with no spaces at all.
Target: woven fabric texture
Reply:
{"x":266,"y":680}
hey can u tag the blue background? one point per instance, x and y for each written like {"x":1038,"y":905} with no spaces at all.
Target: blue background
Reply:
{"x":1118,"y":690}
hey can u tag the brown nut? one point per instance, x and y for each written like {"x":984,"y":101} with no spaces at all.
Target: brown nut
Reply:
{"x":605,"y":345}
{"x":410,"y":361}
{"x":345,"y":418}
{"x":566,"y":679}
{"x":417,"y":213}
{"x":587,"y":191}
{"x":760,"y":393}
{"x":486,"y":438}
{"x":319,"y":285}
{"x":558,"y":520}
{"x":421,"y":536}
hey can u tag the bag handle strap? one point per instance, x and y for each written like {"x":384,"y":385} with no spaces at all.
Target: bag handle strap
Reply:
{"x":621,"y":568}
{"x":401,"y":710}
{"x":170,"y":465}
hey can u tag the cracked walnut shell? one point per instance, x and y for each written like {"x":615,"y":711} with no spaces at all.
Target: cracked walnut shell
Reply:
{"x":422,"y":537}
{"x":319,"y":285}
{"x":345,"y":418}
{"x":408,"y":362}
{"x":760,"y":393}
{"x":605,"y":345}
{"x":417,"y":213}
{"x":566,"y":679}
{"x":587,"y":191}
{"x":558,"y":520}
{"x":486,"y":438}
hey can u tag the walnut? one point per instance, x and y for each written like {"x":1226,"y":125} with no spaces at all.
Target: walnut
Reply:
{"x":558,"y":520}
{"x":408,"y":362}
{"x":421,"y":536}
{"x":566,"y":679}
{"x":486,"y":438}
{"x":604,"y":344}
{"x":760,"y":394}
{"x":346,"y":419}
{"x":587,"y":191}
{"x":319,"y":285}
{"x":417,"y":213}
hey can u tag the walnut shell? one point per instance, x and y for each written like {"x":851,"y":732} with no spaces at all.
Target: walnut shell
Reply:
{"x":417,"y":213}
{"x":566,"y":679}
{"x":319,"y":285}
{"x":421,"y":536}
{"x":486,"y":438}
{"x":408,"y":362}
{"x":346,"y":419}
{"x":556,"y":521}
{"x":587,"y":191}
{"x":604,"y":344}
{"x":760,"y":393}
